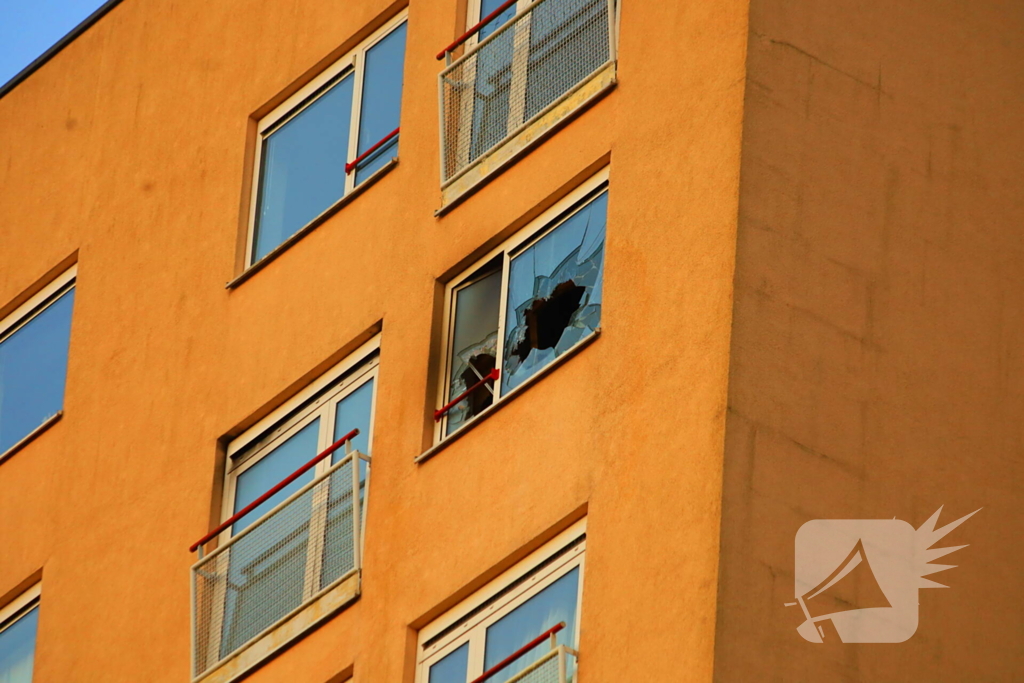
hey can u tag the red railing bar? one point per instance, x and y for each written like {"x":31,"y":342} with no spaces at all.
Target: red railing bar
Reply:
{"x":359,"y":159}
{"x":492,"y":375}
{"x":465,"y":36}
{"x":519,"y":653}
{"x":280,"y":485}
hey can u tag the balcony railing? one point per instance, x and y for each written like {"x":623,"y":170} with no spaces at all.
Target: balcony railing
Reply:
{"x":289,"y":557}
{"x":517,"y":74}
{"x":555,"y":666}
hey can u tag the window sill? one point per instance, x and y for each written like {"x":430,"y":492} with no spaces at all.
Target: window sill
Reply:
{"x":312,"y":225}
{"x":569,"y":353}
{"x":559,"y":113}
{"x":293,"y":627}
{"x":31,"y":436}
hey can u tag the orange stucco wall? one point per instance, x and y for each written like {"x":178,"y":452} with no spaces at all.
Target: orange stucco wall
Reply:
{"x":876,"y":365}
{"x":129,"y":147}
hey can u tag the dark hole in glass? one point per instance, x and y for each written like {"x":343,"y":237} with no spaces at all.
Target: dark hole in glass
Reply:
{"x":482,"y":397}
{"x":547,"y":318}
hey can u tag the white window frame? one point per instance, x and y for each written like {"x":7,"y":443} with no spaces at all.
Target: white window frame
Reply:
{"x":25,"y":313}
{"x":474,"y":624}
{"x":17,"y":609}
{"x":352,"y":62}
{"x":506,"y":251}
{"x":253,"y":444}
{"x":9,"y":613}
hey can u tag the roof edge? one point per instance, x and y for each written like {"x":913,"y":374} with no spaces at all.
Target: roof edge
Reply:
{"x":82,"y":27}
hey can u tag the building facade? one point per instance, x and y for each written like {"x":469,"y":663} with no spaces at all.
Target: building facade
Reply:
{"x":442,"y":341}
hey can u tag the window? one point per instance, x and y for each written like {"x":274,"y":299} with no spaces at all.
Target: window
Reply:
{"x":34,"y":361}
{"x":523,"y":306}
{"x":327,"y":139}
{"x":18,"y":623}
{"x":537,"y":601}
{"x":306,"y":538}
{"x":529,"y":57}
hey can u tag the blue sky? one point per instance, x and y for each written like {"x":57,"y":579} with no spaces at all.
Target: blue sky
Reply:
{"x":29,"y":27}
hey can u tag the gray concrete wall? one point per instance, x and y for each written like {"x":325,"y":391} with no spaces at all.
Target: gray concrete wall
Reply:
{"x":876,"y":367}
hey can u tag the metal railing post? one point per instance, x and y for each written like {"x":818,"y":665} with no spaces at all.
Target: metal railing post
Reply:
{"x":611,"y":30}
{"x":356,"y":549}
{"x":192,"y":640}
{"x":441,"y":121}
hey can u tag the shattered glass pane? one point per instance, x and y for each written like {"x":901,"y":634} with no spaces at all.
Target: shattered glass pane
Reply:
{"x":474,"y":346}
{"x":554,"y":293}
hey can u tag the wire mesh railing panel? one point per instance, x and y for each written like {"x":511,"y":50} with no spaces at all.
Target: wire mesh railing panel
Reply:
{"x":548,"y":671}
{"x":517,"y":72}
{"x":339,"y":527}
{"x":279,"y":563}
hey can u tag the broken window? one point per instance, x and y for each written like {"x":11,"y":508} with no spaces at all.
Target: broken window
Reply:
{"x":474,"y":345}
{"x":523,"y":306}
{"x":554,"y":293}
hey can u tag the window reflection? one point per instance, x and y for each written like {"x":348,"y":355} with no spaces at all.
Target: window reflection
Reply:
{"x":303,"y":167}
{"x":18,"y":647}
{"x":451,"y":669}
{"x":382,"y":102}
{"x":296,"y":451}
{"x":33,"y":367}
{"x":488,"y":6}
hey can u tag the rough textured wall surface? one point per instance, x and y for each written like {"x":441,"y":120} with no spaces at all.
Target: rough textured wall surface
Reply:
{"x":129,"y":146}
{"x":877,"y":366}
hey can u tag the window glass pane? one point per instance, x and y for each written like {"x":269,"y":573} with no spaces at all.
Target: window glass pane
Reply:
{"x":451,"y":669}
{"x":353,"y":412}
{"x":554,"y":293}
{"x":488,"y":6}
{"x":33,"y":366}
{"x":552,"y":605}
{"x":272,"y":559}
{"x":295,"y":452}
{"x":303,"y":168}
{"x":17,"y":649}
{"x":382,"y":101}
{"x":474,"y":346}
